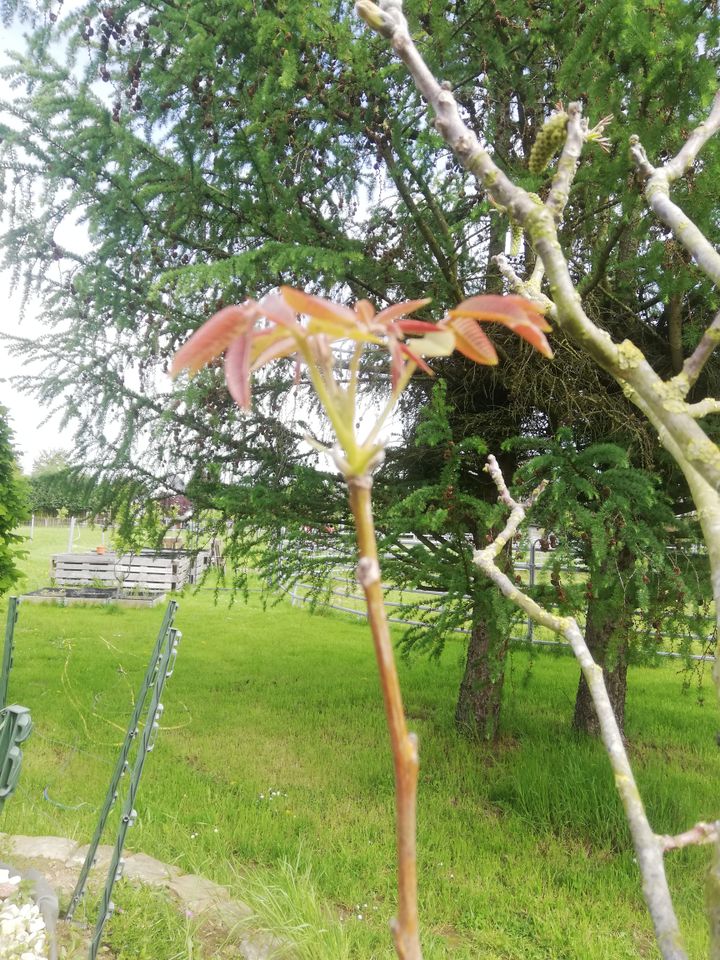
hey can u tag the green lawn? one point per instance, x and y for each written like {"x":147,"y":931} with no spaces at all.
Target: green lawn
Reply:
{"x":273,"y":772}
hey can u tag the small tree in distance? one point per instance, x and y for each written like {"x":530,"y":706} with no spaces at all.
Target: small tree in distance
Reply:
{"x":13,"y":506}
{"x":50,"y":461}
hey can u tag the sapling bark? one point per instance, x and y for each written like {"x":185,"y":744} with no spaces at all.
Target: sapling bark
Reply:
{"x":404,"y":745}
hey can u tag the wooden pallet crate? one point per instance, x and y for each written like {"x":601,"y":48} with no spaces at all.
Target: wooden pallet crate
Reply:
{"x":160,"y":572}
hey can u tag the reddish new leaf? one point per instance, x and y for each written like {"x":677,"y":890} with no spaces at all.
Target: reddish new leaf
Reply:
{"x":214,"y":336}
{"x":276,"y":348}
{"x":400,"y":310}
{"x":420,"y":327}
{"x":237,"y":370}
{"x":500,"y":309}
{"x":471,"y":341}
{"x":514,"y":312}
{"x":311,"y":306}
{"x":416,"y":358}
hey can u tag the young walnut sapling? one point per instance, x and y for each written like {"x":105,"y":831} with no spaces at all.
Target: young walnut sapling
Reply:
{"x":294,"y":324}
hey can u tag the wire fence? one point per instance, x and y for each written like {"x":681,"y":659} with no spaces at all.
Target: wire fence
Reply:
{"x":345,"y":596}
{"x":38,"y":520}
{"x":342,"y":593}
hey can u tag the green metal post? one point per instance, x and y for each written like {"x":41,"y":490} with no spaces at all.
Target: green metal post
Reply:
{"x":15,"y":727}
{"x":163,"y":644}
{"x":7,"y":657}
{"x":147,"y":742}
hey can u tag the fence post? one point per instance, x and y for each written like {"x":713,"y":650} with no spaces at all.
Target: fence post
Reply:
{"x":32,"y":526}
{"x":531,"y":581}
{"x":7,"y":654}
{"x":147,"y":742}
{"x":71,"y":535}
{"x":161,"y":650}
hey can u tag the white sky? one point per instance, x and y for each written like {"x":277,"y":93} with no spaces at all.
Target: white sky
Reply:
{"x":31,"y":436}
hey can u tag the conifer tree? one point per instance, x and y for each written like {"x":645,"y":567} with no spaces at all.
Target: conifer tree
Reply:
{"x":644,"y":586}
{"x":214,"y":150}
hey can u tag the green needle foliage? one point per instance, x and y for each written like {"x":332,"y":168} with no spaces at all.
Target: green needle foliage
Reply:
{"x":13,"y":506}
{"x":615,"y":522}
{"x":620,"y":558}
{"x":449,"y":517}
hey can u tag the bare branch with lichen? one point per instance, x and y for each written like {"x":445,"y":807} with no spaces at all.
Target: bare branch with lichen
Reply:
{"x":657,"y":191}
{"x":703,"y":408}
{"x":695,"y":363}
{"x":525,"y":288}
{"x":648,"y":847}
{"x":699,"y":834}
{"x":575,"y":137}
{"x":686,"y":156}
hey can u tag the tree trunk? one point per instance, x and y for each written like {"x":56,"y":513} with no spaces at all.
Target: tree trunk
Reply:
{"x":598,"y":632}
{"x":477,"y":714}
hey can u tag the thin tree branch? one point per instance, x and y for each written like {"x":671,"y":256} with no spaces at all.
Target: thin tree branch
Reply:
{"x":700,"y":833}
{"x":687,"y":154}
{"x":434,"y":207}
{"x":693,"y":366}
{"x":657,"y":191}
{"x":524,"y":287}
{"x":704,"y":408}
{"x":536,"y":277}
{"x":589,"y":282}
{"x":577,"y":129}
{"x":648,"y":848}
{"x":438,"y":253}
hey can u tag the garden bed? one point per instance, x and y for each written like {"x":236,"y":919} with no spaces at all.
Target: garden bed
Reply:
{"x":99,"y":596}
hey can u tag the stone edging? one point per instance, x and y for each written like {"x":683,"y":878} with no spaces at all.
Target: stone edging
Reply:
{"x":194,"y":893}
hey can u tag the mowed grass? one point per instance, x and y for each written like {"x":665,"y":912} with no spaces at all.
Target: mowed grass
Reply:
{"x":272,"y":775}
